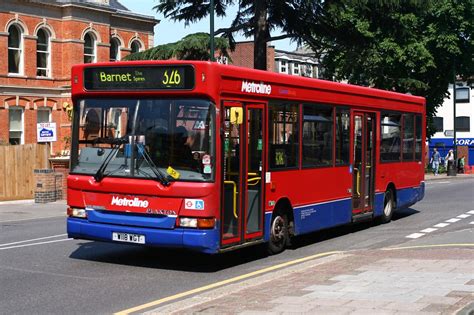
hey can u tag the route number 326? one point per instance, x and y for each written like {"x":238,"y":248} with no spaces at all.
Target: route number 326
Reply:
{"x":174,"y":78}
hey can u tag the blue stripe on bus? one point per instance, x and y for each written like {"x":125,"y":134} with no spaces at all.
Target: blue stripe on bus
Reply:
{"x":206,"y":241}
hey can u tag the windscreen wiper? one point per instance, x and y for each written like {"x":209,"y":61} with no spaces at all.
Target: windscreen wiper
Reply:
{"x":117,"y":142}
{"x":158,"y":174}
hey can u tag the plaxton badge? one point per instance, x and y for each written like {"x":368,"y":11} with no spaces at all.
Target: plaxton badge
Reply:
{"x":259,"y":88}
{"x":135,"y":202}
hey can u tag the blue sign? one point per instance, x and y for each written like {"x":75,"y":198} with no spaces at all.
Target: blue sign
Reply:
{"x":46,"y":132}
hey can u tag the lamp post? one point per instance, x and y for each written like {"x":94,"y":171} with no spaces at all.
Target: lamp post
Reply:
{"x":453,"y":170}
{"x":211,"y":33}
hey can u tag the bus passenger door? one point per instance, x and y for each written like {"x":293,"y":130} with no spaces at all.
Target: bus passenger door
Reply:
{"x":364,"y":163}
{"x":242,"y":210}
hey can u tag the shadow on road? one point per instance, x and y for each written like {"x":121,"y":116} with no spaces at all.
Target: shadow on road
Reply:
{"x":182,"y":260}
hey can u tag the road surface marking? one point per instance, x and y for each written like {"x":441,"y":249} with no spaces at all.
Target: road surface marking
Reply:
{"x":33,"y":239}
{"x":453,"y":220}
{"x":463,"y":216}
{"x":471,"y":212}
{"x":19,"y":220}
{"x":428,"y":230}
{"x":430,"y":246}
{"x":471,"y":222}
{"x":224,"y":282}
{"x":415,"y":235}
{"x":441,"y":225}
{"x":34,"y":244}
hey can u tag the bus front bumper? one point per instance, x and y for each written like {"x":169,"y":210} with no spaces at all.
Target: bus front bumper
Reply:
{"x":205,"y":241}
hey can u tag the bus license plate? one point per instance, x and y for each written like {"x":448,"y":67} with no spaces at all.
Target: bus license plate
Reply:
{"x":128,"y":238}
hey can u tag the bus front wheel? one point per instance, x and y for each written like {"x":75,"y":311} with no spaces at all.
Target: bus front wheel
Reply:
{"x":278,"y":234}
{"x":388,"y":207}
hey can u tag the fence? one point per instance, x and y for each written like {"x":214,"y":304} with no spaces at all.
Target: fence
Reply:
{"x":17,"y":163}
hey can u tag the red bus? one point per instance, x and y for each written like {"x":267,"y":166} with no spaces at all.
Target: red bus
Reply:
{"x":212,"y":157}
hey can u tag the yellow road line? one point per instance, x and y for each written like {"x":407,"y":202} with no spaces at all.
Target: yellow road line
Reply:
{"x":221,"y":283}
{"x":431,"y":246}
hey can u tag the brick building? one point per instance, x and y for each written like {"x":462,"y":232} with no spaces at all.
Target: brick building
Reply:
{"x":39,"y":42}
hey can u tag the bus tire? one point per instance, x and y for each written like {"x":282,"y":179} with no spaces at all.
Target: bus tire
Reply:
{"x":279,"y":235}
{"x":388,"y":207}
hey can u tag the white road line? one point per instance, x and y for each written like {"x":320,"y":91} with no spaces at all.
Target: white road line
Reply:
{"x":471,"y":212}
{"x":415,"y":235}
{"x":33,"y":239}
{"x":441,"y":225}
{"x":19,"y":220}
{"x":471,"y":222}
{"x":453,"y":220}
{"x":34,"y":244}
{"x":463,"y":216}
{"x":428,"y":230}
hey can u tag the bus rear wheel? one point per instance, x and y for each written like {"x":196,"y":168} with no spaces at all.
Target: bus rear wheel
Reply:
{"x":278,"y":234}
{"x":388,"y":207}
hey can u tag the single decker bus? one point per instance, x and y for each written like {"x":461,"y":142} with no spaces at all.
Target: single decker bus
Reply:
{"x":211,"y":157}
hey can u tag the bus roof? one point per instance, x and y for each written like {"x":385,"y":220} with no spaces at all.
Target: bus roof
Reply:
{"x":213,"y":78}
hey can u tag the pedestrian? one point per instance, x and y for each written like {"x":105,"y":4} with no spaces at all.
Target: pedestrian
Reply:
{"x":461,"y":163}
{"x":449,"y":160}
{"x":435,"y":160}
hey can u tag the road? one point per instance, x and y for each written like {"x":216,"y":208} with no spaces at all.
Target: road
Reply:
{"x":42,"y":271}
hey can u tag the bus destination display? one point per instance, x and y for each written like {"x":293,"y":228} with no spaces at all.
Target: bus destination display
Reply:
{"x":139,"y":78}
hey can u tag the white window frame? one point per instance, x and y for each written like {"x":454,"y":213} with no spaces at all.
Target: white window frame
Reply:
{"x":283,"y":66}
{"x":47,"y":52}
{"x":43,"y":109}
{"x":22,"y":123}
{"x":140,"y":46}
{"x":118,"y":56}
{"x":20,"y":49}
{"x":296,"y":69}
{"x":94,"y":47}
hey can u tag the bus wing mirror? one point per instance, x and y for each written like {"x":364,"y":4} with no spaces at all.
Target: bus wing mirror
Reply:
{"x":236,"y":115}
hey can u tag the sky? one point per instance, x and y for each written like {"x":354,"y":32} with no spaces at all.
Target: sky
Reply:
{"x":168,"y":31}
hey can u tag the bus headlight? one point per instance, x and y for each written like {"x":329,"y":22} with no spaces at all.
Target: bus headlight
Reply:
{"x":200,"y":223}
{"x":77,"y":213}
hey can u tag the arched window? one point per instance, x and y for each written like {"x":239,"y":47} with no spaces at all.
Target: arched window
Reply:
{"x":114,"y":49}
{"x":89,"y":48}
{"x":15,"y":50}
{"x":135,"y":46}
{"x":43,"y":63}
{"x":16,"y":125}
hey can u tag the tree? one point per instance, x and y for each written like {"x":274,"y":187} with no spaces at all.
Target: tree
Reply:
{"x":405,"y":46}
{"x":253,"y":18}
{"x":191,"y":47}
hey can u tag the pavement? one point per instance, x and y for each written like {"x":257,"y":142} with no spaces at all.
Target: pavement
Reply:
{"x":420,"y":280}
{"x":425,"y":279}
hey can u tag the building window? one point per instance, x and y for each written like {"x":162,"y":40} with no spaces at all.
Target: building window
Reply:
{"x":42,"y":54}
{"x":438,"y":124}
{"x":308,"y":70}
{"x":283,"y":66}
{"x":135,"y":46}
{"x":317,"y":135}
{"x":15,"y":50}
{"x":43,"y":115}
{"x":462,"y":94}
{"x":89,"y":48}
{"x":462,"y":124}
{"x":296,"y":69}
{"x":114,"y":49}
{"x":15,"y":125}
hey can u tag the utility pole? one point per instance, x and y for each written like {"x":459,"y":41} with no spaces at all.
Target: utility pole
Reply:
{"x":211,"y":33}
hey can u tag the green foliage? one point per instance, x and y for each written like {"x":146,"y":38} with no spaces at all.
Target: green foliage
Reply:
{"x":254,"y":19}
{"x":191,"y":47}
{"x":405,"y":46}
